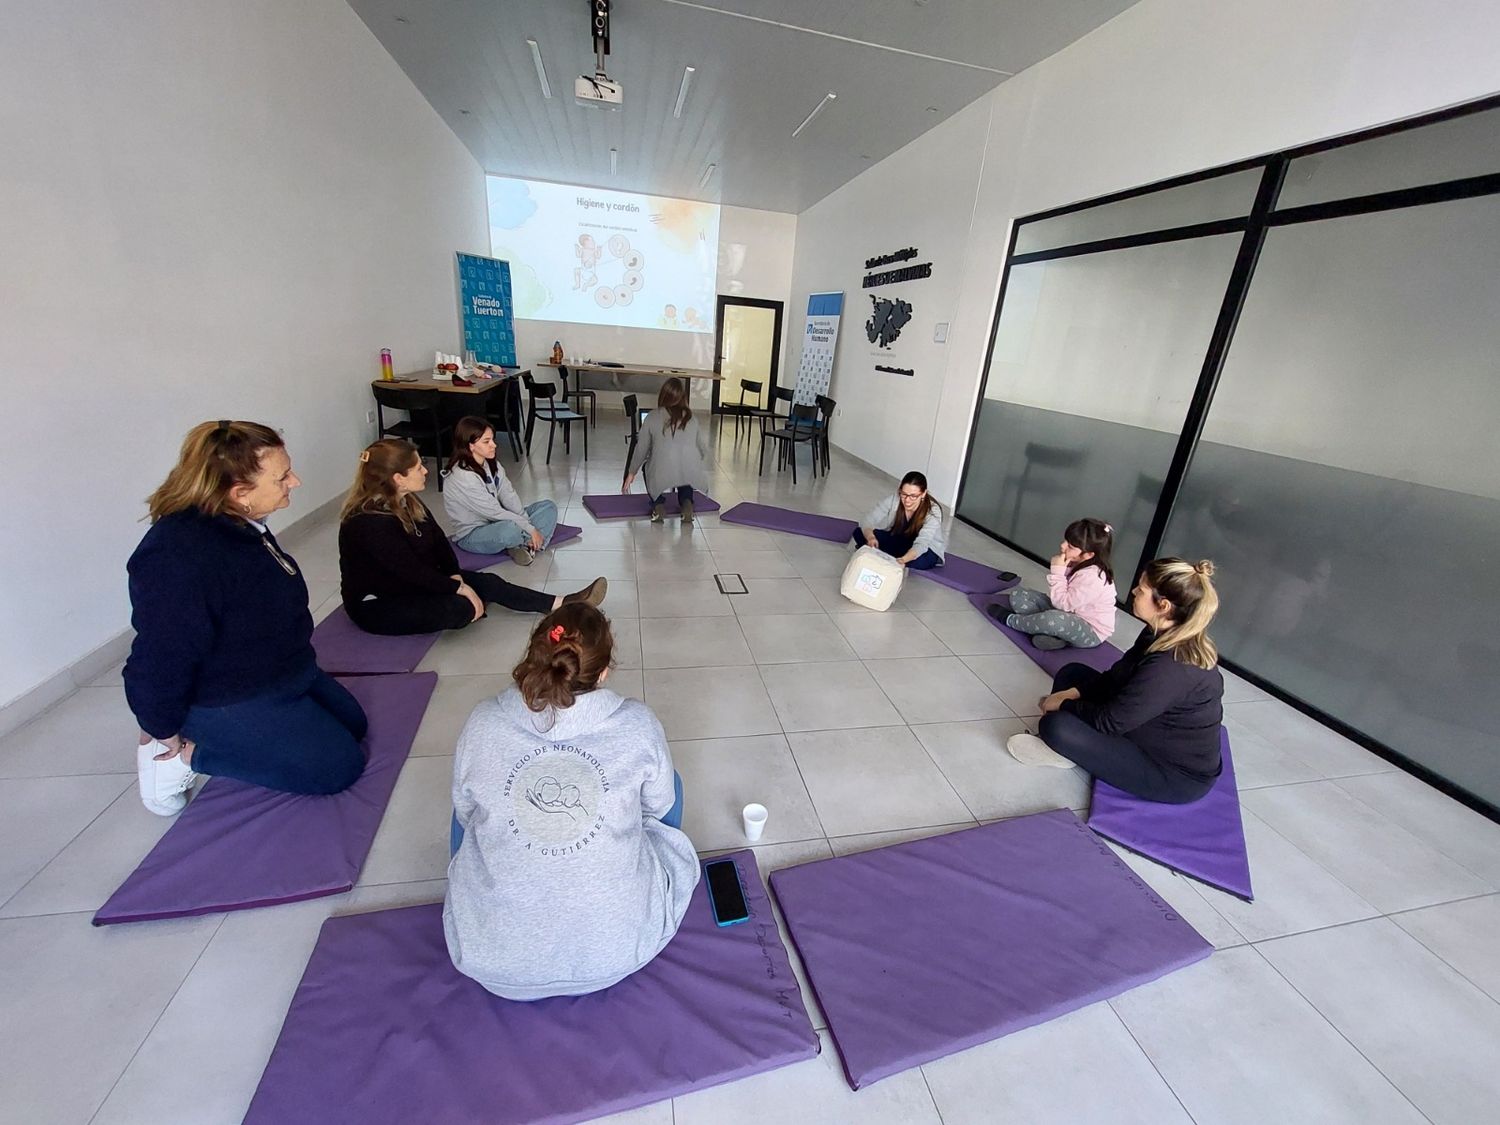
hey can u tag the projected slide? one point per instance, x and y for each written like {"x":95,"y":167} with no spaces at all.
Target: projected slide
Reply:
{"x":588,"y":256}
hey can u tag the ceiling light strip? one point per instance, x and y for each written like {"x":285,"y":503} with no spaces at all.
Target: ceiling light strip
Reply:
{"x":828,"y":97}
{"x":541,"y":71}
{"x":614,"y":161}
{"x":707,"y":174}
{"x":687,"y":77}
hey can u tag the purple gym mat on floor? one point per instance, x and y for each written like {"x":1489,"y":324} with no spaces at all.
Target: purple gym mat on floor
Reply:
{"x":344,"y":649}
{"x":623,"y":505}
{"x":239,"y":846}
{"x":772,"y":518}
{"x":1101,"y":659}
{"x":1205,"y":839}
{"x":957,"y":572}
{"x":384,"y":1029}
{"x":922,"y":949}
{"x":469,"y":560}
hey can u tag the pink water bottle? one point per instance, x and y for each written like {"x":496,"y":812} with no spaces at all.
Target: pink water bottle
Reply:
{"x":387,"y":372}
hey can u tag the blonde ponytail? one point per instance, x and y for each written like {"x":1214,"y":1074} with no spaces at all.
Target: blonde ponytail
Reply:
{"x":1190,"y":590}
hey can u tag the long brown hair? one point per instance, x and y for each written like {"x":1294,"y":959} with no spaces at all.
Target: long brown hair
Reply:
{"x":375,"y":488}
{"x":215,"y":456}
{"x":1189,"y":588}
{"x":673,"y":400}
{"x":1089,"y":534}
{"x":569,"y":650}
{"x":901,"y":525}
{"x":466,"y":431}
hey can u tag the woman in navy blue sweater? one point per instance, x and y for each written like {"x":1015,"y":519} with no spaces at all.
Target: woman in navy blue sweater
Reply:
{"x":1149,"y":725}
{"x":222,"y":677}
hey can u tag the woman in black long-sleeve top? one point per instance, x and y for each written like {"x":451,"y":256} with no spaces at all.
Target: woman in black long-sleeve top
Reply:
{"x":1149,"y":725}
{"x":398,"y":572}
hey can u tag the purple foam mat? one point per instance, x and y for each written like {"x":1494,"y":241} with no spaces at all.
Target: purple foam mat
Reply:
{"x":469,"y":560}
{"x":1205,"y":839}
{"x":239,"y":846}
{"x":623,"y":505}
{"x":957,"y":572}
{"x":923,"y":949}
{"x":1100,"y":658}
{"x":772,"y":518}
{"x":384,"y":1029}
{"x":345,"y":649}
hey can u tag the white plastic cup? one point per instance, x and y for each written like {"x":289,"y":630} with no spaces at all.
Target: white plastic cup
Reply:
{"x":755,"y":821}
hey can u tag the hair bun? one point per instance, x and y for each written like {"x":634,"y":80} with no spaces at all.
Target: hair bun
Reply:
{"x":1205,"y":568}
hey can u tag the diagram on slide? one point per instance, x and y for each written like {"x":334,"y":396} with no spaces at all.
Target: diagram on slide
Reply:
{"x":623,"y":261}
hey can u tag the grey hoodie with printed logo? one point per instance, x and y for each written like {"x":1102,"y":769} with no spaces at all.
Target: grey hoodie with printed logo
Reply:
{"x":566,"y":880}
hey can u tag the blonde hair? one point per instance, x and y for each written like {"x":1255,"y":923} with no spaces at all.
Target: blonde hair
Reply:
{"x":1194,"y":600}
{"x":375,"y":488}
{"x":569,"y":650}
{"x":215,"y":456}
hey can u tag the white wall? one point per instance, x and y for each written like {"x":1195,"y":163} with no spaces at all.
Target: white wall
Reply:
{"x":755,"y":260}
{"x":922,"y":197}
{"x":1167,"y":87}
{"x":216,"y":209}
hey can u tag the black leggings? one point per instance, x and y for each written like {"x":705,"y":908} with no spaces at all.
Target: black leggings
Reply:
{"x":428,"y":613}
{"x":1112,"y":758}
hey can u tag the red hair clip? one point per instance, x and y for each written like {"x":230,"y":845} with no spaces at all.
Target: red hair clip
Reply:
{"x":556,"y":633}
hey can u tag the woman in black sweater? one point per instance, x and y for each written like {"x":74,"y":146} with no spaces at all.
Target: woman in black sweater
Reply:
{"x":398,"y":572}
{"x":1149,"y":725}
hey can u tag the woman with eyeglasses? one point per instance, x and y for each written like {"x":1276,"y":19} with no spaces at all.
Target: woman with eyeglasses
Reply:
{"x":221,"y":676}
{"x":907,"y":526}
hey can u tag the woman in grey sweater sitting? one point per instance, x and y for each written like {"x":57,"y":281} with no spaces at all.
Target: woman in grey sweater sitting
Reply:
{"x":672,"y":453}
{"x":569,"y":870}
{"x":908,"y":526}
{"x":485,"y":510}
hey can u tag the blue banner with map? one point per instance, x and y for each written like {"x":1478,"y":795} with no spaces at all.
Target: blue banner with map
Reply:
{"x":485,"y":309}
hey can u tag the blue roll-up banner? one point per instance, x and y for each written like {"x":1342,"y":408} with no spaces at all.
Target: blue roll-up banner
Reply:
{"x":485,"y":309}
{"x":819,"y":338}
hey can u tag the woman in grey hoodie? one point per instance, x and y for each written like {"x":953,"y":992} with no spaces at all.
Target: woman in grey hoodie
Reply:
{"x":487,"y":514}
{"x":671,"y":453}
{"x":569,"y":871}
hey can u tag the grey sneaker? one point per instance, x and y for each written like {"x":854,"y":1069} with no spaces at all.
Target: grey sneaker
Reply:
{"x":521,"y":556}
{"x":657,"y":512}
{"x":1048,"y":644}
{"x":687,"y":510}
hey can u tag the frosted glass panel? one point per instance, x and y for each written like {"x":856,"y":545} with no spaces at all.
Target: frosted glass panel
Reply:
{"x":1348,"y":486}
{"x":1223,"y":197}
{"x":1449,"y":150}
{"x":1095,"y":359}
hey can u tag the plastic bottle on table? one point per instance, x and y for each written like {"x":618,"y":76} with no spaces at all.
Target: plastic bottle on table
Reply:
{"x":387,"y":372}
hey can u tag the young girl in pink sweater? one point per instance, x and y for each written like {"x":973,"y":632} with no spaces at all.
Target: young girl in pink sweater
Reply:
{"x":1078,"y":608}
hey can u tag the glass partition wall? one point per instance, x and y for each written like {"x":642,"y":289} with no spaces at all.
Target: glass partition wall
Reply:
{"x":1288,"y":366}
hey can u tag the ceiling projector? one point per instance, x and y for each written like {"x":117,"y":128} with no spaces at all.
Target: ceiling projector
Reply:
{"x":598,"y":90}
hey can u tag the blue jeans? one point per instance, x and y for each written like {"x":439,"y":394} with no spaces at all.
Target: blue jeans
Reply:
{"x":672,"y":818}
{"x":303,"y":739}
{"x":896,"y":546}
{"x":502,"y":535}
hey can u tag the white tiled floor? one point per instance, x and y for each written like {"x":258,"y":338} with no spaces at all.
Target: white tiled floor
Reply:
{"x":1363,"y":985}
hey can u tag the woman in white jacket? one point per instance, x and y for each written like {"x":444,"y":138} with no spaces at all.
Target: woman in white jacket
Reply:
{"x":487,"y":514}
{"x":908,"y":526}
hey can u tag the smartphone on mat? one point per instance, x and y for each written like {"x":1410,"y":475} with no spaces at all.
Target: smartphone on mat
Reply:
{"x":726,"y":894}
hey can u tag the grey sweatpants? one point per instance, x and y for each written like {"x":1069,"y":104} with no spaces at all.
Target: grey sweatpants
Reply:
{"x":1031,"y":612}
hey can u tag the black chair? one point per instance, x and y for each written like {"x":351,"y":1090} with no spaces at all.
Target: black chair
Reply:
{"x":799,"y":429}
{"x":825,"y":421}
{"x":742,"y":409}
{"x":1061,"y":466}
{"x":767,"y":414}
{"x":543,"y":406}
{"x":633,"y":421}
{"x":423,"y":426}
{"x":578,"y":395}
{"x":505,"y":411}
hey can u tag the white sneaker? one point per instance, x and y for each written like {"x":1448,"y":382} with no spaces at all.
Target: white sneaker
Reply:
{"x":163,"y":785}
{"x":1032,"y":751}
